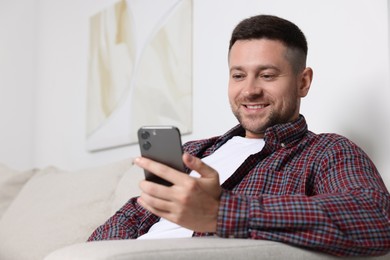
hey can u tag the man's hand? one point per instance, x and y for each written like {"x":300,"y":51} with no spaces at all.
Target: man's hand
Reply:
{"x":190,"y":202}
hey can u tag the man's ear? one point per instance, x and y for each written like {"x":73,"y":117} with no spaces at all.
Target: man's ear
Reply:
{"x":304,"y":81}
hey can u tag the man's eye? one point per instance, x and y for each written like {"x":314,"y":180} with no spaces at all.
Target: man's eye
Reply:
{"x":237,"y":76}
{"x":268,"y":76}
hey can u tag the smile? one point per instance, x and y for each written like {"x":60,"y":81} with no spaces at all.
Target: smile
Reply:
{"x":255,"y":106}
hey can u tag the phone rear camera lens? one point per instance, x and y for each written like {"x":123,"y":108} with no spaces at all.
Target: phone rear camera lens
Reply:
{"x":145,"y":135}
{"x":146,"y":145}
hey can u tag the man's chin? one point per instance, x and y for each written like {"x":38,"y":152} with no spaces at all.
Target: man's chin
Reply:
{"x":253,"y":124}
{"x":258,"y":129}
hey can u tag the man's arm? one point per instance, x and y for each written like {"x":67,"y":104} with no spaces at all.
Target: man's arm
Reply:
{"x":341,"y":224}
{"x":348,"y":215}
{"x":129,"y":222}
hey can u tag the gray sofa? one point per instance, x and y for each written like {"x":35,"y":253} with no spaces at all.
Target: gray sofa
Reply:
{"x":190,"y":248}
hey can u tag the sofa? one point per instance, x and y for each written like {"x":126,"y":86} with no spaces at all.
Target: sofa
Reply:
{"x":49,"y":213}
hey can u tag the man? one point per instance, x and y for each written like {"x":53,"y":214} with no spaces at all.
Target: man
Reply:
{"x":268,"y":177}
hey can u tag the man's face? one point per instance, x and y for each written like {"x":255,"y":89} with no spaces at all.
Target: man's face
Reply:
{"x":263,"y":89}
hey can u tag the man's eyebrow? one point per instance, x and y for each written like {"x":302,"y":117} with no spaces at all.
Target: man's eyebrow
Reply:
{"x":236,"y":68}
{"x":268,"y":66}
{"x":259,"y":68}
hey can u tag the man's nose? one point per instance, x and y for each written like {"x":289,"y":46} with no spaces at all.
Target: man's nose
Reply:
{"x":253,"y":86}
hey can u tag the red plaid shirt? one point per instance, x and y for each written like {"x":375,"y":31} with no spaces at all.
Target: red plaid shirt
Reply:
{"x":320,"y":192}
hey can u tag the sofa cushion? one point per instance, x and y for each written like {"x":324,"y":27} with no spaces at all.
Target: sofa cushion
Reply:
{"x":58,"y":208}
{"x":11,"y":182}
{"x":190,"y":248}
{"x":128,"y":187}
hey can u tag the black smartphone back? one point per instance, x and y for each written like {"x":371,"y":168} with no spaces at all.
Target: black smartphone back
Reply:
{"x":161,"y":144}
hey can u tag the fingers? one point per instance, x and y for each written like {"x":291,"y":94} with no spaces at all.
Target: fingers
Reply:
{"x":155,"y":190}
{"x":155,"y":198}
{"x":197,"y":165}
{"x":174,"y":176}
{"x":209,"y":181}
{"x":190,"y":202}
{"x":160,"y":170}
{"x":153,"y":204}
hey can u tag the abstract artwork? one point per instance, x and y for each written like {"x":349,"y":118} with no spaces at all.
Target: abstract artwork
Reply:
{"x":139,"y":70}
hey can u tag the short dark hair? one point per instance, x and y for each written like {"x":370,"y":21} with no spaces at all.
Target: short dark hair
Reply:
{"x":274,"y":28}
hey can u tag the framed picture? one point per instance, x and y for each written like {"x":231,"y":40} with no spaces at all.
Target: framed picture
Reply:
{"x":139,"y":70}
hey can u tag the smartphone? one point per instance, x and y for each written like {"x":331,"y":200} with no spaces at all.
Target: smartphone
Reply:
{"x":161,"y":144}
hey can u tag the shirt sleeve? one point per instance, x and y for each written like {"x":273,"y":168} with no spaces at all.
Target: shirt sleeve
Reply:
{"x":129,"y":222}
{"x":348,"y":214}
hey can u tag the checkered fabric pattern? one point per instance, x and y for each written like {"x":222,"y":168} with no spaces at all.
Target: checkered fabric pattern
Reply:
{"x":320,"y":192}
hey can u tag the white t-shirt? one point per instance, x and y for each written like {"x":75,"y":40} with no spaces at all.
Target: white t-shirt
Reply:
{"x":225,"y":161}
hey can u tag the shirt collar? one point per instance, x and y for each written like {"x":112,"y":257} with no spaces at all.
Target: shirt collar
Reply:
{"x":285,"y":135}
{"x":275,"y":137}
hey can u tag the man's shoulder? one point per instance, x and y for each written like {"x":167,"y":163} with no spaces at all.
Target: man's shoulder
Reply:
{"x":330,"y":140}
{"x":333,"y":137}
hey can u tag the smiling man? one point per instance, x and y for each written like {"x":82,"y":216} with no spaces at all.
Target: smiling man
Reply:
{"x":269,"y":177}
{"x":264,"y":87}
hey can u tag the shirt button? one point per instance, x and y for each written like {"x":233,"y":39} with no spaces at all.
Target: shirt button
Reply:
{"x":283,"y":145}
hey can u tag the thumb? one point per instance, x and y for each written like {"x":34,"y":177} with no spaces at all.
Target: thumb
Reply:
{"x":200,"y":167}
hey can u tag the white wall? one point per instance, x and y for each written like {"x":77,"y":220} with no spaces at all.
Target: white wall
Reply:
{"x":348,"y":50}
{"x":17,"y":81}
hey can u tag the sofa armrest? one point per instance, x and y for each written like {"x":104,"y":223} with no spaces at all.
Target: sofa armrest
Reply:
{"x":189,"y":248}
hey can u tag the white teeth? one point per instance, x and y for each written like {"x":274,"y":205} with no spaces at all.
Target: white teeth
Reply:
{"x":255,"y":106}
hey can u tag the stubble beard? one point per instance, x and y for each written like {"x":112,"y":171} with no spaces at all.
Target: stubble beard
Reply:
{"x":255,"y":124}
{"x":258,"y":125}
